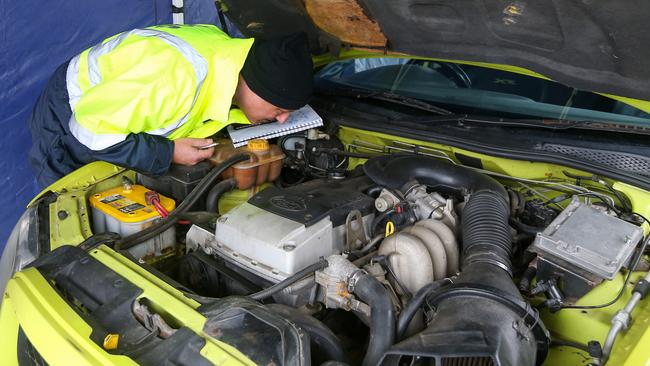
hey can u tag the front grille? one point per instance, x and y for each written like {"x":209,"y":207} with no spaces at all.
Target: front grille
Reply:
{"x":624,"y":161}
{"x":27,"y":353}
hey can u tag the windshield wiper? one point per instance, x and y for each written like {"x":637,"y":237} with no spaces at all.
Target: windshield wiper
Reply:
{"x":543,"y":123}
{"x":557,"y":124}
{"x":447,"y":116}
{"x":359,"y":93}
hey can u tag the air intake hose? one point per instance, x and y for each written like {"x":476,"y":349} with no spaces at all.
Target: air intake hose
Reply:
{"x":482,"y":316}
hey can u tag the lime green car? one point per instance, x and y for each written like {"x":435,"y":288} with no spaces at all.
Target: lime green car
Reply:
{"x":478,"y":194}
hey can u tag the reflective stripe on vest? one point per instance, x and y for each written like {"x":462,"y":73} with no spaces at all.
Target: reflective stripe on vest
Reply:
{"x":101,"y":141}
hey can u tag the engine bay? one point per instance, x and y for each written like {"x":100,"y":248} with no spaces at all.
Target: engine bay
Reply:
{"x":384,"y":251}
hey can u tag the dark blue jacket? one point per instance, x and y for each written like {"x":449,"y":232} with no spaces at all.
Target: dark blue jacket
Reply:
{"x":56,"y":152}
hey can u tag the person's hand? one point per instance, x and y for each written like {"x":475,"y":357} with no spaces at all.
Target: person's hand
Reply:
{"x":186,"y":151}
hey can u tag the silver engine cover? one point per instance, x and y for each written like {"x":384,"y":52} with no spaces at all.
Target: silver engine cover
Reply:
{"x":269,"y":245}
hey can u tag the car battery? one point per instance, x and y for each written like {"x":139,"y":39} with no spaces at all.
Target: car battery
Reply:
{"x":124,"y":210}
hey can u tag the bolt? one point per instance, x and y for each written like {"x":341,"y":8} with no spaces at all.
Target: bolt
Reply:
{"x":288,"y":247}
{"x":222,"y":219}
{"x":62,"y":215}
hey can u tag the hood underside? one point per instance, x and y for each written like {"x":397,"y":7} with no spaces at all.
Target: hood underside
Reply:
{"x":591,"y":45}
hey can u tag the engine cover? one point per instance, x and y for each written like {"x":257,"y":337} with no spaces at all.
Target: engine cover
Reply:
{"x":280,"y":231}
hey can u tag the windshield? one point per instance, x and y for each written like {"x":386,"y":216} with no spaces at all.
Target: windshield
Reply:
{"x":478,"y":90}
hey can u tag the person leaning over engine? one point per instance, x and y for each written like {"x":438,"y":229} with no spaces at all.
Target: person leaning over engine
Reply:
{"x":149,"y":97}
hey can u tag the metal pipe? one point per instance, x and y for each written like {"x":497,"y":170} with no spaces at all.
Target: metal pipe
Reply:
{"x":621,"y":321}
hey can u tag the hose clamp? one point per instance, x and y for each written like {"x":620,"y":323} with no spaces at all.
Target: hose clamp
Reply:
{"x":354,"y":278}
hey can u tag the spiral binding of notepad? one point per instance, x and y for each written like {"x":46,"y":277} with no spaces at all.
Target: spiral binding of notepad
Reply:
{"x":299,"y":120}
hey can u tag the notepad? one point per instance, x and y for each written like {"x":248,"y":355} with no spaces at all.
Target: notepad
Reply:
{"x":299,"y":120}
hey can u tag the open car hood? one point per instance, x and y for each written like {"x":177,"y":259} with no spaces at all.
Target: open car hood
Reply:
{"x":587,"y":44}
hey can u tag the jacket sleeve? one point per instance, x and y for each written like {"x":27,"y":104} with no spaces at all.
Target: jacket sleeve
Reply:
{"x":142,"y":152}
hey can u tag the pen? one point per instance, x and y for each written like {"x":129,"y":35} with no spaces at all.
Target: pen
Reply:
{"x":205,"y":147}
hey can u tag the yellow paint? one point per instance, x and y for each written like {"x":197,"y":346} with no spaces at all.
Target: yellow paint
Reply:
{"x":62,"y":337}
{"x":8,"y":332}
{"x":82,"y":178}
{"x":74,"y":227}
{"x":52,"y":326}
{"x":170,"y":303}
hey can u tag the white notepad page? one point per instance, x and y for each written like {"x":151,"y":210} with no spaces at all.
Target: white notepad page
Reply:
{"x":299,"y":120}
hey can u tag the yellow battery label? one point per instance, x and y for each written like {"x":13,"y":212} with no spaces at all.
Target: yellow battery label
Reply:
{"x":128,"y":205}
{"x":123,"y":204}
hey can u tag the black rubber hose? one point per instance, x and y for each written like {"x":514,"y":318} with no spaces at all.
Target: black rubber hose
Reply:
{"x":382,"y":317}
{"x":414,"y":305}
{"x":393,"y":171}
{"x":212,"y":200}
{"x":524,"y":228}
{"x":486,"y":236}
{"x":164,"y":224}
{"x":274,"y":289}
{"x":323,"y":337}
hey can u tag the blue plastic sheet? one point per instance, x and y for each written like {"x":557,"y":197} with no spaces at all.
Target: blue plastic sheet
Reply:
{"x":37,"y":36}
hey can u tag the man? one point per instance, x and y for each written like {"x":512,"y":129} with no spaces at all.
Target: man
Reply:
{"x":149,"y":97}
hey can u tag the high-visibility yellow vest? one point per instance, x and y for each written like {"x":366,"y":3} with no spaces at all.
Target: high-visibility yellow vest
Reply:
{"x":173,"y":81}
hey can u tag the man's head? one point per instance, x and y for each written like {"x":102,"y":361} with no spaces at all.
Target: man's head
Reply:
{"x":276,"y":78}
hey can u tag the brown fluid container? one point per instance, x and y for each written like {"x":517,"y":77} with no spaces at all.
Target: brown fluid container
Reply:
{"x":263,"y":166}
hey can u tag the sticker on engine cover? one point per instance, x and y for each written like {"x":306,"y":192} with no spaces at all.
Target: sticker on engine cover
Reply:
{"x":130,"y":208}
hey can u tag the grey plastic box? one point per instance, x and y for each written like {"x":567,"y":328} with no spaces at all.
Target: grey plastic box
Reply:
{"x":587,"y":241}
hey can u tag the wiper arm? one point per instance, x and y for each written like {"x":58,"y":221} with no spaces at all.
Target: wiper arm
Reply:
{"x":546,"y":123}
{"x":558,"y":124}
{"x":408,"y":101}
{"x":360,"y":93}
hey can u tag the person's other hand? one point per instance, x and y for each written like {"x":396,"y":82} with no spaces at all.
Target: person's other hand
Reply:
{"x":186,"y":151}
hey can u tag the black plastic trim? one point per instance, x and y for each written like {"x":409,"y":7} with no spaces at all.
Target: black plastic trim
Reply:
{"x":501,"y":152}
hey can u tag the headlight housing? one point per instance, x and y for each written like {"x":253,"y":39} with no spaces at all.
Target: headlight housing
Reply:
{"x":21,"y":248}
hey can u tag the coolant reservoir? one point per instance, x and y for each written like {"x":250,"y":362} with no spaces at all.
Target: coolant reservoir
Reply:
{"x":263,"y":166}
{"x":124,"y":210}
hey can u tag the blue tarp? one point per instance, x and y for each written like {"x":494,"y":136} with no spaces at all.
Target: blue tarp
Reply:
{"x":37,"y":36}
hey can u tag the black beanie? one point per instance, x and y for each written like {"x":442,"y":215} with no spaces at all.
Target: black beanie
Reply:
{"x":280,"y":70}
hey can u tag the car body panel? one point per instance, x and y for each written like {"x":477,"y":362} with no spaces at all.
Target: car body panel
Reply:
{"x":62,"y":337}
{"x":51,"y":325}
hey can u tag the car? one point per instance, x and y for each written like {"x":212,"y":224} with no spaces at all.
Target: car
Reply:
{"x":478,"y":194}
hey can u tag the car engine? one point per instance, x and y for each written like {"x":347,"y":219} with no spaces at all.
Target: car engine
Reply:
{"x":409,"y":258}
